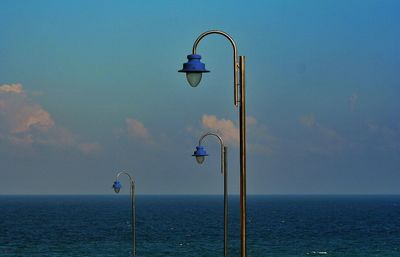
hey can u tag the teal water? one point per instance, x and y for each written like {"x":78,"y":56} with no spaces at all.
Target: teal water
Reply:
{"x":191,"y":226}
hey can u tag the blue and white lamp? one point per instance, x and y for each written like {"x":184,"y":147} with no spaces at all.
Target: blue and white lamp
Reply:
{"x":117,"y":186}
{"x":200,"y":153}
{"x":194,"y":69}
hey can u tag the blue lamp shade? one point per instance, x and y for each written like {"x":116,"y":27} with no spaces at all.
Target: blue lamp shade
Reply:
{"x":200,"y":153}
{"x":117,"y":186}
{"x":194,"y":69}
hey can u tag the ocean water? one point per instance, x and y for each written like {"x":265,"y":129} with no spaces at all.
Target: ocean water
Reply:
{"x":191,"y":226}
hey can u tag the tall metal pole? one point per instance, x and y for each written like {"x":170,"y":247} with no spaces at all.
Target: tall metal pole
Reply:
{"x":133,"y":227}
{"x":225,"y":202}
{"x":242,"y":124}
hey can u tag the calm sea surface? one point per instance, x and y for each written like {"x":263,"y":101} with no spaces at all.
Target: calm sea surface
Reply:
{"x":191,"y":226}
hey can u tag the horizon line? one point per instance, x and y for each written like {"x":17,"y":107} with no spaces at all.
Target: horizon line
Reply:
{"x":145,"y":194}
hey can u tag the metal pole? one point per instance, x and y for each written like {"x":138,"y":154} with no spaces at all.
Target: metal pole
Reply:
{"x":242,"y":113}
{"x":133,"y":227}
{"x":225,"y":202}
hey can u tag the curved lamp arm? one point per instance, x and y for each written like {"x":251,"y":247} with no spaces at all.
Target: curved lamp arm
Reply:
{"x":222,"y":147}
{"x":235,"y":58}
{"x":127,"y":174}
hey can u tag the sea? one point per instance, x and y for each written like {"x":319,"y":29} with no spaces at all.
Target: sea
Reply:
{"x":192,"y":226}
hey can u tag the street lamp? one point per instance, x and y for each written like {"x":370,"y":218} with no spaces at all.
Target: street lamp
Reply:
{"x":117,"y":187}
{"x":193,"y":69}
{"x":200,"y":154}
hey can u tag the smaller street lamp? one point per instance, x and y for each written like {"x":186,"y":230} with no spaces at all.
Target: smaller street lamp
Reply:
{"x":200,"y":155}
{"x":117,"y":188}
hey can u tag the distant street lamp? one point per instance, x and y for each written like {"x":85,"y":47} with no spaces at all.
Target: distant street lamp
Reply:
{"x":200,"y":154}
{"x":117,"y":187}
{"x":194,"y":69}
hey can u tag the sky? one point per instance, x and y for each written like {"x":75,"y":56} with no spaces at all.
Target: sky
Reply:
{"x":90,"y":88}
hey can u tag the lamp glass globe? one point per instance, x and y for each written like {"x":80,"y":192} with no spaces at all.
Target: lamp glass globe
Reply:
{"x":193,"y":78}
{"x":200,"y":159}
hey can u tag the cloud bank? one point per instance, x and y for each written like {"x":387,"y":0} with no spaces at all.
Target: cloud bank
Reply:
{"x":23,"y":122}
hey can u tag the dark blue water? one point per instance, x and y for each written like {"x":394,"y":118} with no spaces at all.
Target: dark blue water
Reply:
{"x":191,"y":226}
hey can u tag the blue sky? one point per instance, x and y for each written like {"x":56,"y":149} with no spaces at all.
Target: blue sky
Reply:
{"x":88,"y":88}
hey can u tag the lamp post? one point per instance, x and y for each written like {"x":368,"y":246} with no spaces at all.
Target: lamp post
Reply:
{"x":194,"y":69}
{"x":117,"y":187}
{"x":200,"y":154}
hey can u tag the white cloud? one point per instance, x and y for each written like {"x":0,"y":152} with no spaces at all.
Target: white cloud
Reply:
{"x":20,"y":115}
{"x":31,"y":116}
{"x":258,"y":139}
{"x":226,"y":128}
{"x":12,"y":88}
{"x":136,"y":129}
{"x":23,"y":122}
